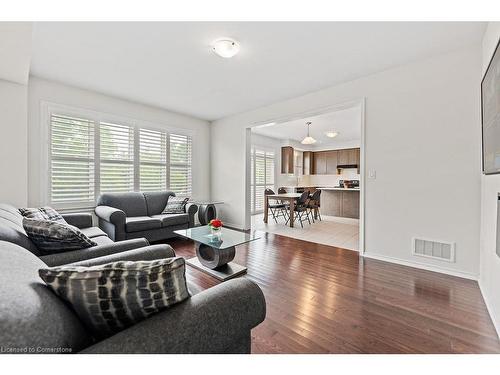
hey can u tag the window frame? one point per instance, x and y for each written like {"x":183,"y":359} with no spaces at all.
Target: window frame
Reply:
{"x":253,"y":183}
{"x":49,"y":108}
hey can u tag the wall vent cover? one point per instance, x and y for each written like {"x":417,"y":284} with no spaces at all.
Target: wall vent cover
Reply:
{"x":427,"y":248}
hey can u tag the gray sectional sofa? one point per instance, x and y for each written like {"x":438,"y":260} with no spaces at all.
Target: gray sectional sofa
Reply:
{"x":11,"y":230}
{"x":134,"y":215}
{"x":34,"y":320}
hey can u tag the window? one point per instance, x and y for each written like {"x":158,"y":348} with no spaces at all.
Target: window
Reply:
{"x":89,"y":156}
{"x":71,"y":160}
{"x":153,"y":159}
{"x":116,"y":158}
{"x":180,"y":164}
{"x":262,"y":177}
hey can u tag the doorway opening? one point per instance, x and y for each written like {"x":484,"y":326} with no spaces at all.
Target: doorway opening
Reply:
{"x":309,"y":166}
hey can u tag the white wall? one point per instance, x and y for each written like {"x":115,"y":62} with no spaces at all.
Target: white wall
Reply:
{"x":13,"y":144}
{"x":422,"y":140}
{"x":43,"y":90}
{"x":490,"y":262}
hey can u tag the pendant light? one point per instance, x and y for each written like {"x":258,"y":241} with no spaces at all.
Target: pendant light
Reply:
{"x":308,"y":140}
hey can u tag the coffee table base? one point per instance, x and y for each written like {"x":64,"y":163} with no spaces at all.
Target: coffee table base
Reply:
{"x":222,"y":273}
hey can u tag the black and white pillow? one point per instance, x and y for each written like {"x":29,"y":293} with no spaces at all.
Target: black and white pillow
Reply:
{"x":52,"y":237}
{"x":175,"y":205}
{"x":42,"y":213}
{"x":114,"y":296}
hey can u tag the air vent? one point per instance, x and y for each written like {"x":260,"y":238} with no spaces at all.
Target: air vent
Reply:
{"x":440,"y":250}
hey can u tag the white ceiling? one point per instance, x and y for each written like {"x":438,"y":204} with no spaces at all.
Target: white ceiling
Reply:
{"x":170,"y":64}
{"x":346,"y":122}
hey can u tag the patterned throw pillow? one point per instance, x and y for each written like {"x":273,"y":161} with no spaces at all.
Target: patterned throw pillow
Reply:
{"x":42,"y":213}
{"x":111,"y":297}
{"x":175,"y":205}
{"x":52,"y":237}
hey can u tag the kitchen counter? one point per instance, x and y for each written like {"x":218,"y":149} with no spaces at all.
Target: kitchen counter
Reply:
{"x":337,"y":188}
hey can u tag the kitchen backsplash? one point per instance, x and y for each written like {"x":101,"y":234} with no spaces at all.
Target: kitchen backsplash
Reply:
{"x":318,"y":179}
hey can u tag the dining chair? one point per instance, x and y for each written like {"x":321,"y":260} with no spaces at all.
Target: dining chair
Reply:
{"x":301,"y":208}
{"x":313,"y":205}
{"x":277,"y":209}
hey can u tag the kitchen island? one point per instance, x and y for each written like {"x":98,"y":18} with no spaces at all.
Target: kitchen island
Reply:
{"x":341,"y":202}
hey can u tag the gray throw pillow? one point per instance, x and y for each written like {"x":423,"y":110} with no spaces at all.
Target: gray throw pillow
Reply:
{"x":175,"y":205}
{"x":111,"y":297}
{"x":52,"y":237}
{"x":42,"y":213}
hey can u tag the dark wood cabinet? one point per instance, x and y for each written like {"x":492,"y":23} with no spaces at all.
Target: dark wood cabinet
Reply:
{"x":307,"y":163}
{"x":287,"y":160}
{"x":331,"y":162}
{"x":319,"y":162}
{"x":343,"y":157}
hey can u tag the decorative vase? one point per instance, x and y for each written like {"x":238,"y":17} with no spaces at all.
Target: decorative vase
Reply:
{"x":216,"y":233}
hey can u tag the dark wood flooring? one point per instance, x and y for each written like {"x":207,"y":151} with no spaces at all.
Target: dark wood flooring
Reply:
{"x":322,"y":299}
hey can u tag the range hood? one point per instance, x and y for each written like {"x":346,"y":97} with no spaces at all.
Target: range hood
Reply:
{"x":347,"y":166}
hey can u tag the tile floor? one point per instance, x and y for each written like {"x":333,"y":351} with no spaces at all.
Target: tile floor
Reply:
{"x":333,"y":231}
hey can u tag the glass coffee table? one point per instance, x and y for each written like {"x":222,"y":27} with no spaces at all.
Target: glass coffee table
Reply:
{"x":213,"y":255}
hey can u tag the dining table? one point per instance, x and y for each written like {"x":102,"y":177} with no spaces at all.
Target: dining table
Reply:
{"x":284,"y":197}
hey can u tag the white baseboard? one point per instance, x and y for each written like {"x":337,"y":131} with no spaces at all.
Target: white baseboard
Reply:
{"x":489,"y":308}
{"x":426,"y":267}
{"x":234,"y":226}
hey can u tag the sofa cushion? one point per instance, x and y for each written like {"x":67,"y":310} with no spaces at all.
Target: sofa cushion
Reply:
{"x":11,"y":228}
{"x":138,"y":223}
{"x":31,"y":315}
{"x":42,"y":213}
{"x":168,"y":220}
{"x":156,"y":201}
{"x":133,"y":203}
{"x":52,"y":237}
{"x":102,"y":240}
{"x":92,"y":232}
{"x":113,"y":296}
{"x":175,"y":205}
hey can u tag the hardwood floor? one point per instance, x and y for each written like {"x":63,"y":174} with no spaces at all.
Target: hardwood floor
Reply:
{"x":322,"y":299}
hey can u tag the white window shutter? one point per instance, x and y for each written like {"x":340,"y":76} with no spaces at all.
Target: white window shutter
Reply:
{"x":180,"y":173}
{"x":71,"y":161}
{"x":153,"y":160}
{"x":116,"y":158}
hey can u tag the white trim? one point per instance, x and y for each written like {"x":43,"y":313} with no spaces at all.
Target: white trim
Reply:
{"x":427,"y":267}
{"x":496,"y":324}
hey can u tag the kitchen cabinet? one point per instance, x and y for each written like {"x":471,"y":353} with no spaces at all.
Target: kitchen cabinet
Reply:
{"x":331,"y":162}
{"x":307,"y":163}
{"x":319,"y":162}
{"x":287,"y":162}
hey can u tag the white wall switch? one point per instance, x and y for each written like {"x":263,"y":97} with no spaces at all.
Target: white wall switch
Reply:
{"x":372,"y":174}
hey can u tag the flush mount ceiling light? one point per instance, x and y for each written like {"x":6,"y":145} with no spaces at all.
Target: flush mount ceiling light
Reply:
{"x":331,"y":134}
{"x":308,"y":140}
{"x":225,"y":47}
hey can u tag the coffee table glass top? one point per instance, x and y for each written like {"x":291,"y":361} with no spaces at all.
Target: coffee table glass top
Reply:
{"x":229,"y":237}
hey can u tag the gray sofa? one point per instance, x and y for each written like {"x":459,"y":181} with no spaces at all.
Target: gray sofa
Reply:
{"x":34,"y":319}
{"x":11,"y":230}
{"x":134,"y":215}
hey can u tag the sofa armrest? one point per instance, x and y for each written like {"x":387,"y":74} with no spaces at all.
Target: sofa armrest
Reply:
{"x":93,"y":252}
{"x":213,"y":321}
{"x":191,"y":209}
{"x":79,"y":220}
{"x":115,"y":218}
{"x":152,"y":252}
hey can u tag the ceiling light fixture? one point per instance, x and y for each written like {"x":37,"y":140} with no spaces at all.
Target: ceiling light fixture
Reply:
{"x":331,"y":134}
{"x":225,"y":47}
{"x":308,"y":140}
